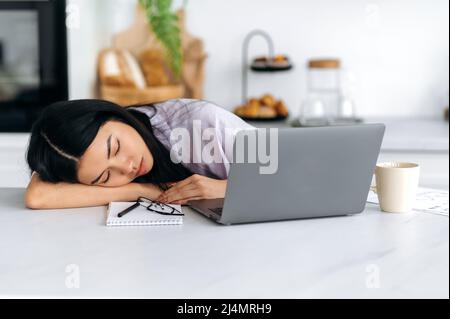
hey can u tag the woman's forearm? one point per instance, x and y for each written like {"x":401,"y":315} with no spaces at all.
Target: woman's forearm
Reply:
{"x":43,"y":195}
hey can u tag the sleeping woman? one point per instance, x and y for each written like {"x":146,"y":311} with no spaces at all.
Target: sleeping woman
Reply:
{"x":91,"y":152}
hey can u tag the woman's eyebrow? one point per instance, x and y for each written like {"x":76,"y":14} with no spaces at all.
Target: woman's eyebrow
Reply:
{"x":108,"y":145}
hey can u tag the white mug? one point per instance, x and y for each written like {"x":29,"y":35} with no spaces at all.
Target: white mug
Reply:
{"x":396,"y":186}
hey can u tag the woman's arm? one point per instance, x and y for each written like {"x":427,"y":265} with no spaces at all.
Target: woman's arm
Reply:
{"x":193,"y":188}
{"x":44,"y":195}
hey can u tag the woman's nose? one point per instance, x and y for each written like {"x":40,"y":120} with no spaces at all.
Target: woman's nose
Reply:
{"x":126,"y":167}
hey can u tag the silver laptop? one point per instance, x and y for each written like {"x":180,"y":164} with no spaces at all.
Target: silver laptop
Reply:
{"x":324,"y":171}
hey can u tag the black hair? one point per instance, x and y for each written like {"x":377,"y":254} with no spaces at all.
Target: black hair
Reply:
{"x":64,"y":131}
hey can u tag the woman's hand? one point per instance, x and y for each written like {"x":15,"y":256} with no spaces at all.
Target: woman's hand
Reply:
{"x":147,"y":190}
{"x":193,"y":188}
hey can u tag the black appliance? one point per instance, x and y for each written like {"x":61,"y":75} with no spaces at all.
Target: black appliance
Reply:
{"x":33,"y":60}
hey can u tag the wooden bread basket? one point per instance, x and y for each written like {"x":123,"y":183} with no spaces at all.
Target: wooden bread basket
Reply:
{"x":126,"y":96}
{"x":139,"y":38}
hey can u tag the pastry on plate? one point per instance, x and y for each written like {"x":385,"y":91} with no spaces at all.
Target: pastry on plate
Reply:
{"x":281,"y":108}
{"x":265,"y":107}
{"x":267,"y":112}
{"x":268,"y":100}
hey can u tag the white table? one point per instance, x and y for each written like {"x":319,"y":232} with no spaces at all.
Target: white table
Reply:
{"x":373,"y":254}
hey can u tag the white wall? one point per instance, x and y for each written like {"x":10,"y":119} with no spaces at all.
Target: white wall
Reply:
{"x":90,"y":24}
{"x":398,"y":50}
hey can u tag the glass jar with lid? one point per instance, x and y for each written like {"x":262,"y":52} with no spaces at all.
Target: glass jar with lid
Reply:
{"x":322,"y":103}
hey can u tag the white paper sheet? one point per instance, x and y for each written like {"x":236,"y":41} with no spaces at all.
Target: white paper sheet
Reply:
{"x":433,"y":201}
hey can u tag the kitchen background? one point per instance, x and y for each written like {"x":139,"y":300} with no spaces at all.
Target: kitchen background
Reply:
{"x":394,"y":54}
{"x":397,"y":51}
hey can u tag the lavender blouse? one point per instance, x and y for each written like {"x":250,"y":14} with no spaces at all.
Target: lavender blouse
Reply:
{"x":196,"y":117}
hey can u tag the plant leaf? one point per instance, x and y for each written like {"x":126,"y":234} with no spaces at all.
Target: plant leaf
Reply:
{"x":164,"y":24}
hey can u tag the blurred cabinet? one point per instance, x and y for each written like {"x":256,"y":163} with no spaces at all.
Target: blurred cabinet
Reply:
{"x":14,"y":171}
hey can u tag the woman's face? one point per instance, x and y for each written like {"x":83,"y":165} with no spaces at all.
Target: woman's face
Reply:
{"x":116,"y":156}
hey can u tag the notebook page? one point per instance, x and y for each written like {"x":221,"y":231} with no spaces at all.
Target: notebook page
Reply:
{"x":139,"y":216}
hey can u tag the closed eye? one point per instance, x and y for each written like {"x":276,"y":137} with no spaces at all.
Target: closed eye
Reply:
{"x":109,"y":172}
{"x":107,"y":178}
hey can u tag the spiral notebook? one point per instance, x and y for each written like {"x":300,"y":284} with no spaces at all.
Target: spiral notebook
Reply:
{"x":139,"y":216}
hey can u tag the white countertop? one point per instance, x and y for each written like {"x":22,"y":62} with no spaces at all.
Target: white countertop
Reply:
{"x":402,"y":134}
{"x":14,"y":140}
{"x":414,"y":134}
{"x":404,"y":255}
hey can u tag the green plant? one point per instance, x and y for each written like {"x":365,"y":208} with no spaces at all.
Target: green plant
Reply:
{"x":164,"y":23}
